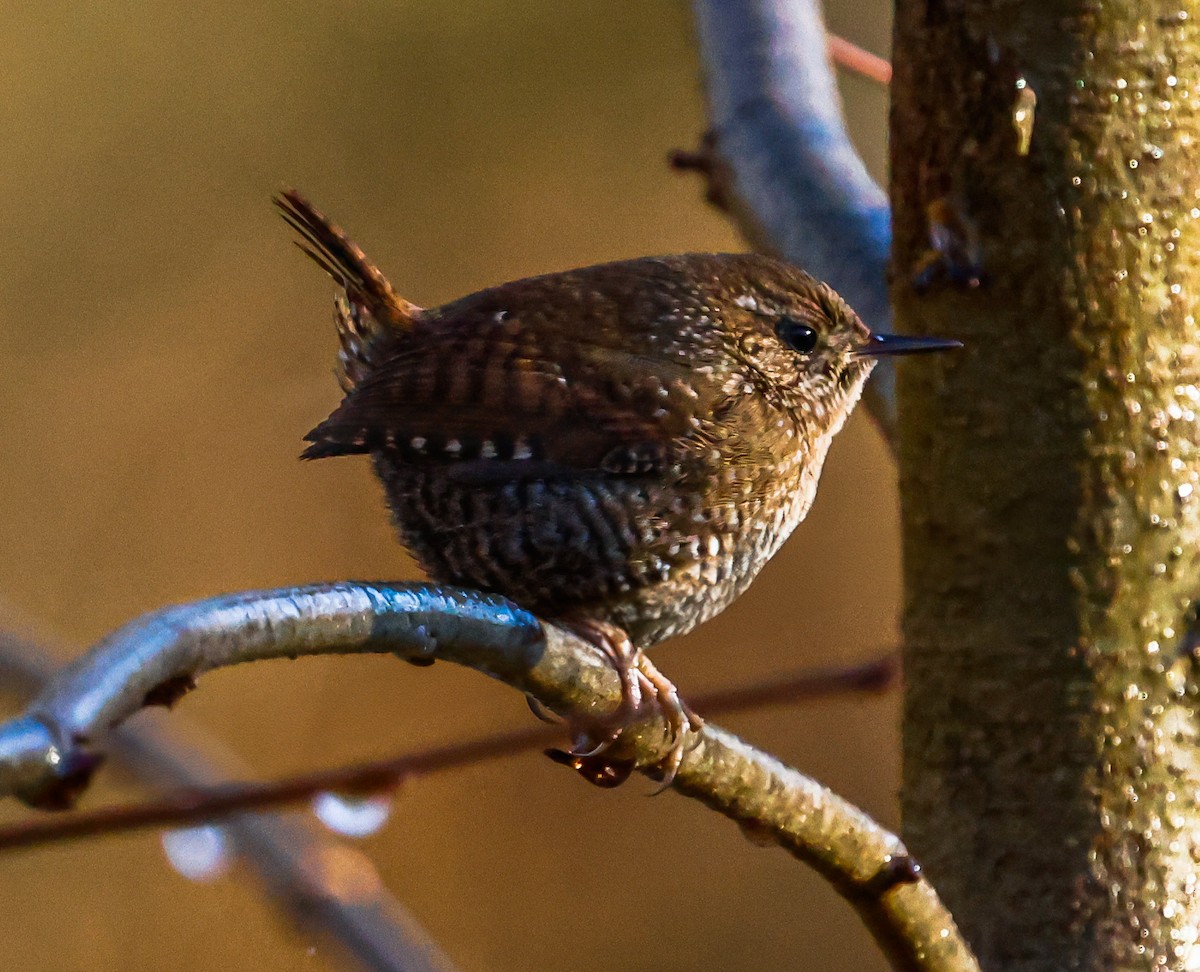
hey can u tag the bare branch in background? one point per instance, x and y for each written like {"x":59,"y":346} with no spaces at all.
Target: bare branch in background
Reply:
{"x":303,"y":868}
{"x":45,"y":754}
{"x":848,"y":55}
{"x":780,"y":161}
{"x":191,"y":805}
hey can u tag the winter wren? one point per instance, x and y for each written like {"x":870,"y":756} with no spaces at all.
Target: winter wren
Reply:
{"x":620,"y":447}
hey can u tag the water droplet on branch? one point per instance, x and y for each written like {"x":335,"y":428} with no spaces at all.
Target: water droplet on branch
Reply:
{"x":1024,"y":106}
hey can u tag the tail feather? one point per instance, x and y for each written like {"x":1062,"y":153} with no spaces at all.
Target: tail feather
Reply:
{"x":357,"y":332}
{"x":370,"y":309}
{"x":326,"y":442}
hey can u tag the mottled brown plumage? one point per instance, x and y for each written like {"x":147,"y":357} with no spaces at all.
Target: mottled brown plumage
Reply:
{"x":624,"y":444}
{"x":628,"y":442}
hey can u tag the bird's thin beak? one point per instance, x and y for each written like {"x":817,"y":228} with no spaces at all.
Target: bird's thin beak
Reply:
{"x":882,"y":345}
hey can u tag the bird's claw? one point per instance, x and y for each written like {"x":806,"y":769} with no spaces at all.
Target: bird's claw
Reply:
{"x":540,"y":711}
{"x":680,"y":718}
{"x":640,"y":680}
{"x":594,"y":746}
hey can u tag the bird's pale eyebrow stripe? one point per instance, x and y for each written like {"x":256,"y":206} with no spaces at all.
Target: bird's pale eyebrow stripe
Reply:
{"x":755,"y":306}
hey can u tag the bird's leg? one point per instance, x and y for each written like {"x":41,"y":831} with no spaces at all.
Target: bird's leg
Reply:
{"x":640,"y":679}
{"x":680,"y":717}
{"x":619,"y":650}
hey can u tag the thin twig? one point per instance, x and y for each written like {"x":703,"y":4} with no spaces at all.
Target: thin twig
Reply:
{"x":782,"y":163}
{"x":846,"y":54}
{"x":288,"y":852}
{"x":194,"y":806}
{"x":47,"y":748}
{"x":191,"y":806}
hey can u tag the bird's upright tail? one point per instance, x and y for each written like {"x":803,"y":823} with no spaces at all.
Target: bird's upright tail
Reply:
{"x":369,"y":309}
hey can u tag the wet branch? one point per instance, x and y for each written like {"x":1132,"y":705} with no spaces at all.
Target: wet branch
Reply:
{"x":47,"y":754}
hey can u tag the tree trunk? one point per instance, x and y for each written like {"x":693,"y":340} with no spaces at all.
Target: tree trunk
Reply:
{"x":1050,"y":473}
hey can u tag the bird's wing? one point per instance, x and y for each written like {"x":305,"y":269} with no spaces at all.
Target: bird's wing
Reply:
{"x":494,"y":406}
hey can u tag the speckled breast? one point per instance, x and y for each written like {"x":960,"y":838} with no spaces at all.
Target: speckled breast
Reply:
{"x":656,"y":558}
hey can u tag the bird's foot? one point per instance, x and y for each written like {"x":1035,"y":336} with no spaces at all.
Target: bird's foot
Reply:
{"x":621,"y":654}
{"x":680,"y":717}
{"x":640,"y":680}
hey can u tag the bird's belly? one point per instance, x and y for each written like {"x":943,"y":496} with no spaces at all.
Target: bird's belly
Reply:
{"x":648,"y":556}
{"x":700,"y":588}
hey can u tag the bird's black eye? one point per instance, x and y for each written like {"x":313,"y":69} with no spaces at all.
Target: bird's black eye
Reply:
{"x":797,"y":336}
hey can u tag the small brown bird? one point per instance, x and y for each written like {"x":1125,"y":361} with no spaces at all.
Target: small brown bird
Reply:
{"x":619,"y":448}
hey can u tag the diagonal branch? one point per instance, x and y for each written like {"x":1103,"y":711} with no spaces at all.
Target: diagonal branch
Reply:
{"x":45,"y":755}
{"x":290,"y":854}
{"x":780,"y":160}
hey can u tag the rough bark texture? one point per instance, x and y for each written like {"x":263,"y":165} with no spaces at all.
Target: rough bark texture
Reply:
{"x":1050,"y":474}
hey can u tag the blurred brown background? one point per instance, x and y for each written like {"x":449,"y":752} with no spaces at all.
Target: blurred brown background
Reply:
{"x":164,"y":348}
